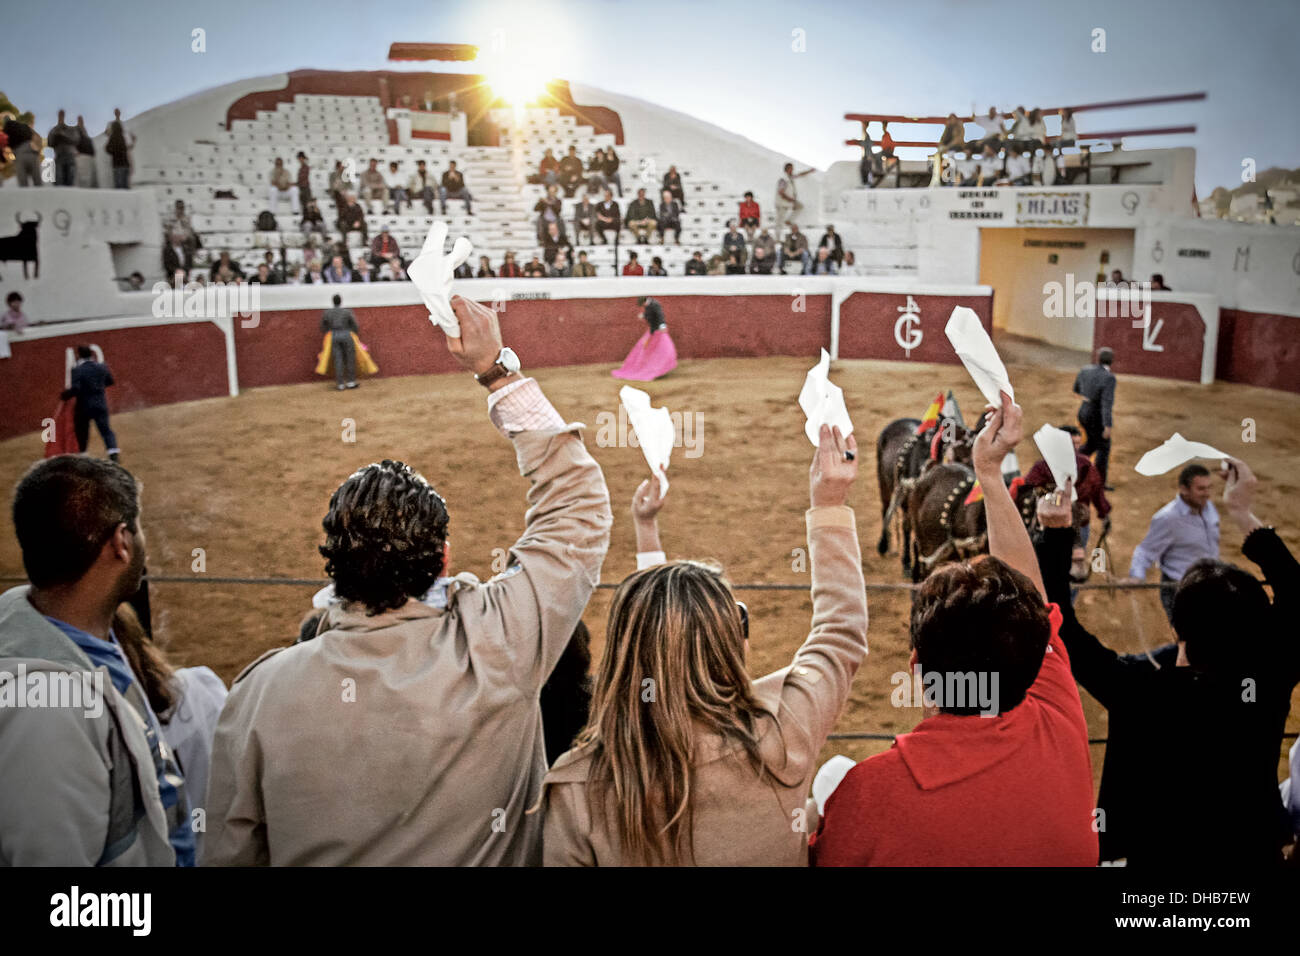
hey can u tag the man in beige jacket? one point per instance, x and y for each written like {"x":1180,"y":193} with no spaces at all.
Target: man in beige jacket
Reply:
{"x":408,"y":731}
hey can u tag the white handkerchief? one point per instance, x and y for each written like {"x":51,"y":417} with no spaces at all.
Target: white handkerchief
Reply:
{"x":975,"y":349}
{"x":432,"y":272}
{"x":831,"y":774}
{"x":654,"y":432}
{"x":1057,"y":448}
{"x":822,"y":402}
{"x":1173,"y":453}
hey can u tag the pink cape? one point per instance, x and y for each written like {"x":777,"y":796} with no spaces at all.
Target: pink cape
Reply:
{"x":653,"y":355}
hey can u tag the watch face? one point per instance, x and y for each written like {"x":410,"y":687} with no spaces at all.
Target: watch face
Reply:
{"x":509,"y":360}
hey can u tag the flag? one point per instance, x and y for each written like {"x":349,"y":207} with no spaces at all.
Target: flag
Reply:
{"x":976,"y":494}
{"x":952,"y":410}
{"x":931,"y":416}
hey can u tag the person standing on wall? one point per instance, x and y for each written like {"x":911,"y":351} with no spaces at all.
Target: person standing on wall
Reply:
{"x":1095,"y":385}
{"x":90,"y":379}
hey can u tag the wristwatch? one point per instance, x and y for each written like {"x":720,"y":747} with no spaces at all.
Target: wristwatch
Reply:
{"x":507,"y":363}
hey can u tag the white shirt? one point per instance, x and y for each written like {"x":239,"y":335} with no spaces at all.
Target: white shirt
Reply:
{"x":1038,"y":131}
{"x":1067,"y":128}
{"x":990,"y":168}
{"x":966,"y":167}
{"x":787,"y":184}
{"x":395,"y":180}
{"x":992,"y":125}
{"x":1018,"y":166}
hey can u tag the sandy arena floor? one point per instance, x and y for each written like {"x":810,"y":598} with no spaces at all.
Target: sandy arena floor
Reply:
{"x":248,"y":481}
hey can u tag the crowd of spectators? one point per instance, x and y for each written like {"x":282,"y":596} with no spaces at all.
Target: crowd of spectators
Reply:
{"x":74,"y":163}
{"x":510,"y":754}
{"x":1012,"y":149}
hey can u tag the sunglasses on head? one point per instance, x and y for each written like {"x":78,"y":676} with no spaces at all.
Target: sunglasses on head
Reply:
{"x":744,"y":618}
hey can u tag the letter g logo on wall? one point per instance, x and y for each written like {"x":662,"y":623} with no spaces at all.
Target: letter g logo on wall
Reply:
{"x":907,"y":330}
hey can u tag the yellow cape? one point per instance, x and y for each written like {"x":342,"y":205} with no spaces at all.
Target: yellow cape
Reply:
{"x":365,"y":364}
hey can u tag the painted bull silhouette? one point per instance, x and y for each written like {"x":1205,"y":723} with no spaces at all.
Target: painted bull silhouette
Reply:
{"x":22,"y":245}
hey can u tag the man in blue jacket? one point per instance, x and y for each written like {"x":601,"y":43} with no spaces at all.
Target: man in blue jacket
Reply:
{"x":89,"y":381}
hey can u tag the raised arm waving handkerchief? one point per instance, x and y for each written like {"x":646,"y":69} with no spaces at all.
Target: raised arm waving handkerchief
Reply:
{"x":432,"y":272}
{"x":975,"y":349}
{"x":1173,"y":453}
{"x":823,"y":402}
{"x":654,"y":429}
{"x":1057,"y":448}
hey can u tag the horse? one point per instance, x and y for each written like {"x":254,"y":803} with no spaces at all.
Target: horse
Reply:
{"x":901,"y":456}
{"x":943,"y":526}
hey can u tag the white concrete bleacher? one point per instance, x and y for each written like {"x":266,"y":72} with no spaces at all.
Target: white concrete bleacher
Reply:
{"x":238,"y":162}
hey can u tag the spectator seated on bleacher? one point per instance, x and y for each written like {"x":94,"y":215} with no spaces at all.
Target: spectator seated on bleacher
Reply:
{"x":263,"y":276}
{"x":282,"y":186}
{"x":373,"y":187}
{"x":312,"y":220}
{"x":768,"y":243}
{"x":384,"y":246}
{"x":1068,"y":135}
{"x":396,"y":183}
{"x":1019,"y":137}
{"x":673,"y":183}
{"x":548,"y":210}
{"x":339,"y":183}
{"x":988,"y":168}
{"x":391,"y":270}
{"x":570,"y":172}
{"x":463,"y":271}
{"x":554,"y":242}
{"x":611,"y":171}
{"x":733,"y":242}
{"x":831,"y":240}
{"x":695,"y":265}
{"x":584,"y":220}
{"x":954,"y":135}
{"x":1037,"y":130}
{"x":180,"y":221}
{"x":793,"y":246}
{"x":850,"y":267}
{"x":633,"y":268}
{"x":275,"y":270}
{"x":669,"y":218}
{"x":423,"y":185}
{"x":596,"y":173}
{"x":607,"y":216}
{"x":453,"y":187}
{"x":641,"y":221}
{"x":582,"y":268}
{"x":177,"y":259}
{"x":535,"y":268}
{"x":761,"y":264}
{"x":823,"y":265}
{"x":485,"y":269}
{"x":313,"y":274}
{"x":560,"y":268}
{"x":734,"y":266}
{"x":340,"y":271}
{"x":509,"y":268}
{"x":548,"y":170}
{"x":994,"y":132}
{"x":1019,"y":168}
{"x":656,"y":267}
{"x":225,"y":269}
{"x":352,"y":218}
{"x":750,"y":216}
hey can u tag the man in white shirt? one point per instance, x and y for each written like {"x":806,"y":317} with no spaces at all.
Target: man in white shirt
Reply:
{"x":396,"y":188}
{"x":281,"y":186}
{"x":787,"y":199}
{"x":1019,"y":128}
{"x":850,"y":267}
{"x":1019,"y":169}
{"x":990,"y":167}
{"x":992,"y":128}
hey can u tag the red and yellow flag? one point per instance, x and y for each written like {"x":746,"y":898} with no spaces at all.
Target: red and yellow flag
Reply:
{"x":931,"y":416}
{"x":976,"y":494}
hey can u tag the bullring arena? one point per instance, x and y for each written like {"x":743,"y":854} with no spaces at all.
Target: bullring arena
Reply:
{"x":239,"y":443}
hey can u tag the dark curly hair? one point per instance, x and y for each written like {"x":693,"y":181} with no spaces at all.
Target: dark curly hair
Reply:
{"x":384,"y":536}
{"x":981,"y":617}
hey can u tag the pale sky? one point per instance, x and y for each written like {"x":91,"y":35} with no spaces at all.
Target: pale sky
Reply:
{"x":726,"y":62}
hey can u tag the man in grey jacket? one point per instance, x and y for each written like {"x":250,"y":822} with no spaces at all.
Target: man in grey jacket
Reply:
{"x":87,"y":778}
{"x":408,"y":731}
{"x":341,"y":324}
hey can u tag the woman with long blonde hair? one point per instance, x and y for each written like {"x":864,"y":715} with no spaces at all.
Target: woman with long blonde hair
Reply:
{"x":685,"y":759}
